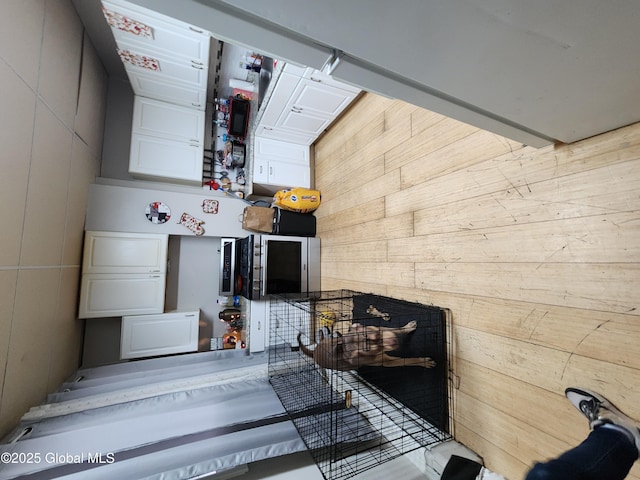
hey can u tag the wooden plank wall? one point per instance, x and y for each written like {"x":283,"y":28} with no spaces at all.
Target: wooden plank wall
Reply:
{"x":535,"y":251}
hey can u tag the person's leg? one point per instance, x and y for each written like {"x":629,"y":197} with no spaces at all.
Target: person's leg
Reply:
{"x":606,"y":453}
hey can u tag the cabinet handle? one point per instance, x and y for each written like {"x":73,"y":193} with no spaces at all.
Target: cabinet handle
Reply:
{"x":195,"y":29}
{"x":268,"y":128}
{"x":154,"y":271}
{"x":315,"y":79}
{"x":260,"y":168}
{"x":191,"y":315}
{"x":296,"y":109}
{"x":270,"y":170}
{"x":197,"y":67}
{"x":196,"y":104}
{"x":154,"y":276}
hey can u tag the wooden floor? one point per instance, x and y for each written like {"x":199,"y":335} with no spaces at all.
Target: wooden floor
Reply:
{"x":535,"y":251}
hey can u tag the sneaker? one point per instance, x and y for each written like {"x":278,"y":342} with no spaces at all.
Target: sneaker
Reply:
{"x":600,"y":411}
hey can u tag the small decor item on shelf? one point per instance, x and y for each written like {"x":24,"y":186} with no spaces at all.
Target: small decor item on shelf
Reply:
{"x":158,"y":212}
{"x":192,"y":223}
{"x":210,"y":206}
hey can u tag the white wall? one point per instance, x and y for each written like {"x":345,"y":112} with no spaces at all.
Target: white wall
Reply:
{"x":115,"y":208}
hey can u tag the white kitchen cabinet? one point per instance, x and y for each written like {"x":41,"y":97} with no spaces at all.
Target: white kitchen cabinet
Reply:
{"x":281,"y":164}
{"x":156,"y":34}
{"x":315,"y":96}
{"x":167,"y":142}
{"x":303,"y":103}
{"x":164,"y":58}
{"x":147,"y":85}
{"x":123,"y":274}
{"x":258,"y":325}
{"x":154,"y":335}
{"x":116,"y":294}
{"x":116,"y":252}
{"x":165,"y":120}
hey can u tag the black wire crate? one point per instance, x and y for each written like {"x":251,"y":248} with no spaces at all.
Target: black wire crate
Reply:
{"x":363,"y":377}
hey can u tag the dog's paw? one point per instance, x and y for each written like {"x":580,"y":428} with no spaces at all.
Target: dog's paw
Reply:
{"x":428,"y":362}
{"x":410,"y":327}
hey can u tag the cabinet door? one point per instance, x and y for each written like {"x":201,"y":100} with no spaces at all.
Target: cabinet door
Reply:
{"x":275,"y":133}
{"x":153,"y":335}
{"x":184,"y":73}
{"x":301,"y":121}
{"x":114,"y":295}
{"x":315,"y":96}
{"x":155,"y":33}
{"x":281,"y":151}
{"x":113,"y":252}
{"x":168,"y":121}
{"x":164,"y":159}
{"x":258,"y":331}
{"x":147,"y":85}
{"x":279,"y":98}
{"x":286,"y":174}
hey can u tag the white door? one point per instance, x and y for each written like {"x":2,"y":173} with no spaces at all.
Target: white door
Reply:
{"x":114,"y":295}
{"x":153,"y":335}
{"x":156,"y":157}
{"x":113,"y":252}
{"x":168,"y":121}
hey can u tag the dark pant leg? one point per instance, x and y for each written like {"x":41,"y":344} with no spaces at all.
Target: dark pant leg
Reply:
{"x":605,"y":454}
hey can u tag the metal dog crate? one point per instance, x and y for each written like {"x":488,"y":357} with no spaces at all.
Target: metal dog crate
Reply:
{"x":352,"y":421}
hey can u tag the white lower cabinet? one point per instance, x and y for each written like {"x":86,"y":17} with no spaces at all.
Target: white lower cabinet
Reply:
{"x":116,"y":294}
{"x":163,"y":159}
{"x":281,"y":164}
{"x":154,"y":335}
{"x":258,"y":325}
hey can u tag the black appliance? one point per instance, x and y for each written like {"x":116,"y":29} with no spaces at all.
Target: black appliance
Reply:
{"x":238,"y":117}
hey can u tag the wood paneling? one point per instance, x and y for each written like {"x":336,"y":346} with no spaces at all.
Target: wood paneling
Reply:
{"x":535,"y":252}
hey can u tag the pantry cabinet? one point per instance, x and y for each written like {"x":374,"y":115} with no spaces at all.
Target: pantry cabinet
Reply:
{"x":154,"y":335}
{"x":123,"y":274}
{"x":167,"y":142}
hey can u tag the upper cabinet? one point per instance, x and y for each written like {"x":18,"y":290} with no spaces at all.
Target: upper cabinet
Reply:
{"x":303,"y":104}
{"x":165,"y":59}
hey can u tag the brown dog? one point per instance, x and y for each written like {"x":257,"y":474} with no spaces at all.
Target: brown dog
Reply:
{"x":363,"y":346}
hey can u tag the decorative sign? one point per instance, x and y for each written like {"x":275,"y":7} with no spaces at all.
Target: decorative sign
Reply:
{"x":138,"y":60}
{"x":158,"y":212}
{"x":126,"y":24}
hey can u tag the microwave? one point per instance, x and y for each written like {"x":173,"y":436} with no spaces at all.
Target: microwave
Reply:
{"x":238,"y":117}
